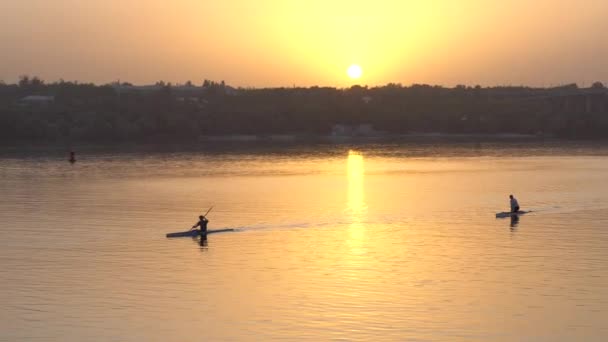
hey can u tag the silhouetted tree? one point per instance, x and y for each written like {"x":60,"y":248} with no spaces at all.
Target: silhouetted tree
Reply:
{"x":108,"y":113}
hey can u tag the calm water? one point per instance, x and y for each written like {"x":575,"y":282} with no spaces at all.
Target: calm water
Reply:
{"x":386,"y":242}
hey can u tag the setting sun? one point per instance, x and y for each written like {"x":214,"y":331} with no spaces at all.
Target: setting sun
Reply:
{"x":354,"y":71}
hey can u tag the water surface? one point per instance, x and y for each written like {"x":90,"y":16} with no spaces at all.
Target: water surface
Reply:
{"x":385,"y":242}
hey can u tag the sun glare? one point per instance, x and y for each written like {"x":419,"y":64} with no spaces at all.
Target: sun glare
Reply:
{"x":356,"y":172}
{"x":354,"y":71}
{"x":356,"y":201}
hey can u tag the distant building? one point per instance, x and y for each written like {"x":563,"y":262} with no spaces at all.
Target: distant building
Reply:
{"x":193,"y":100}
{"x":364,"y":130}
{"x":129,"y":88}
{"x":228,"y":90}
{"x":37,"y":100}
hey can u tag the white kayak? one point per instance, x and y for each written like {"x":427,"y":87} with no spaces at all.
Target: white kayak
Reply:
{"x":511,"y":214}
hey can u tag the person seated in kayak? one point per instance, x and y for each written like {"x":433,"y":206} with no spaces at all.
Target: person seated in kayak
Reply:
{"x":202,"y":222}
{"x":514,"y":204}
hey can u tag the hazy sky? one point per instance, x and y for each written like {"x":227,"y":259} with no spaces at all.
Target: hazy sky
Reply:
{"x":309,"y":42}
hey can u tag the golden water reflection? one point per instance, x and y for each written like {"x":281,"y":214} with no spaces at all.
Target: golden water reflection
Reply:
{"x":356,"y":188}
{"x":404,"y":248}
{"x":356,"y":206}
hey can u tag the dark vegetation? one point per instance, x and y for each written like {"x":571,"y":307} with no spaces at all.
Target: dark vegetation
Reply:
{"x":33,"y":110}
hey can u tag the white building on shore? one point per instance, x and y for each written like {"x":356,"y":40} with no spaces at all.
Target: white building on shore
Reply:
{"x":40,"y":100}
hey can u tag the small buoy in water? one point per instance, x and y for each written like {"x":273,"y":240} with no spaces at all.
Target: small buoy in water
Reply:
{"x":72,"y":157}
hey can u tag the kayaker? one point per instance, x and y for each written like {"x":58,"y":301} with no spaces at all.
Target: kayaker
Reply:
{"x":202,"y":222}
{"x":514,"y":204}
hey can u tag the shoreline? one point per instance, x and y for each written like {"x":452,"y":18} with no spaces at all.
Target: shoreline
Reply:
{"x":299,"y":139}
{"x":299,"y":144}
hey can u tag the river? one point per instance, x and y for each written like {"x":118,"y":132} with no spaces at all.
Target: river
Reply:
{"x":359,"y":242}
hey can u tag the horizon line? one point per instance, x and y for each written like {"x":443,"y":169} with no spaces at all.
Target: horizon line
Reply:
{"x":293,"y":86}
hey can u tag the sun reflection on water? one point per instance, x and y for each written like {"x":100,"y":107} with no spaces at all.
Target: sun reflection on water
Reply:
{"x":356,"y":199}
{"x":356,"y":193}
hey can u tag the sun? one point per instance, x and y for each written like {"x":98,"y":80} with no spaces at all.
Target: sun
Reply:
{"x":354,"y":71}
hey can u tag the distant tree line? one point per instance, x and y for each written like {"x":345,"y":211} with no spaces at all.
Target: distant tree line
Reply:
{"x":33,"y":110}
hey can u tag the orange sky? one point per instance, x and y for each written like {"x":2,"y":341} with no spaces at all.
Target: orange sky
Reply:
{"x":283,"y":43}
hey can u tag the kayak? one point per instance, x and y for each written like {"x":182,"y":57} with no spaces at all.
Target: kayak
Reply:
{"x":510,"y":214}
{"x":197,"y":232}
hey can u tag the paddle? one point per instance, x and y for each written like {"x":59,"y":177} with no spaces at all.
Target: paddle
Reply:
{"x":208,"y":211}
